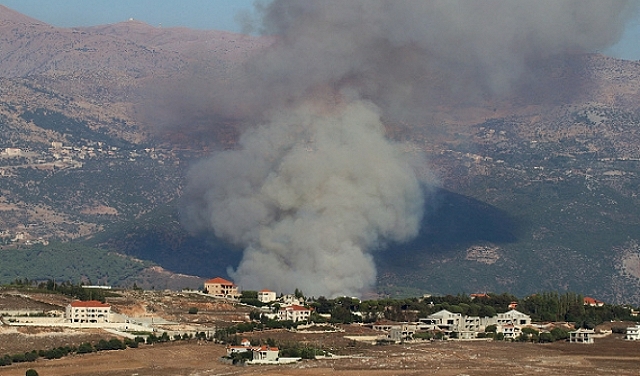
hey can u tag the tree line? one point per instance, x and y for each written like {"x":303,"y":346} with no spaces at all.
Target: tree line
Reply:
{"x":542,"y":307}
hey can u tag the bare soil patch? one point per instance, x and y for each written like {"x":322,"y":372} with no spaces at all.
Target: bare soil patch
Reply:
{"x":611,"y":355}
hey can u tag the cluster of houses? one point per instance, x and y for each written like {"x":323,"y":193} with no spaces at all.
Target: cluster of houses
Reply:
{"x":291,"y":308}
{"x":465,"y":327}
{"x":509,"y":324}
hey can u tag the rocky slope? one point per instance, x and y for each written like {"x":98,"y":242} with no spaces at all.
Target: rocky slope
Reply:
{"x":535,"y":192}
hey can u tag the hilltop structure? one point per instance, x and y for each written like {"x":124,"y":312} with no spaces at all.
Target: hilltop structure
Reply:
{"x":222,"y":288}
{"x":91,"y":311}
{"x":266,"y":296}
{"x":294,"y":313}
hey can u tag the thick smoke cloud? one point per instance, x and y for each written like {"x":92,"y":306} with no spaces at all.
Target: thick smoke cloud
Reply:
{"x":309,"y":193}
{"x":407,"y":55}
{"x":315,"y":185}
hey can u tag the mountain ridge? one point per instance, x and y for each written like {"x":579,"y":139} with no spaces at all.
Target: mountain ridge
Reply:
{"x":534,"y":194}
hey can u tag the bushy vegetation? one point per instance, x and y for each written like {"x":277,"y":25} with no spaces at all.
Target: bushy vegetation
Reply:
{"x":251,"y":298}
{"x":77,"y":291}
{"x":67,"y":262}
{"x":542,"y":307}
{"x":296,"y":350}
{"x":228,"y":334}
{"x":87,"y":347}
{"x":62,"y":351}
{"x":75,"y":130}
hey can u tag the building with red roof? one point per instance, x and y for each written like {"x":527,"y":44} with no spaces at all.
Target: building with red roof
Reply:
{"x":222,"y":288}
{"x":294,"y":313}
{"x":265,"y":354}
{"x":90,"y":311}
{"x":592,"y":302}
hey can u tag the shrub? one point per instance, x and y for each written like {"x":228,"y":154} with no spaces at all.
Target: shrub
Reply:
{"x":85,"y":348}
{"x":54,"y":353}
{"x":102,"y":345}
{"x":128,"y":342}
{"x":116,"y":344}
{"x":31,"y":356}
{"x":619,"y":329}
{"x":559,"y":334}
{"x":5,"y":360}
{"x":546,"y":337}
{"x":193,"y":310}
{"x":31,"y":372}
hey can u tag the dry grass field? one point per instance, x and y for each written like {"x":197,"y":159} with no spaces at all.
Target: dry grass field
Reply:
{"x":611,"y":355}
{"x":608,"y":356}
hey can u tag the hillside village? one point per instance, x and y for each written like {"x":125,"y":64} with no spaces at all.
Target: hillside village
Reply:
{"x":248,"y":321}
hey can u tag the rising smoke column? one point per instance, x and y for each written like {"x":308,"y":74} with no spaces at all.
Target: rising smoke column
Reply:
{"x":309,"y":193}
{"x":314,"y":185}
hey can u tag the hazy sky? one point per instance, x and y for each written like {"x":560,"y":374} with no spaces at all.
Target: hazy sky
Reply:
{"x":199,"y":14}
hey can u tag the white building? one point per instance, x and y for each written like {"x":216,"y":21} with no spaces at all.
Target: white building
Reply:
{"x":12,"y":152}
{"x":442,"y":320}
{"x":401,"y":332}
{"x":513,"y":317}
{"x":509,"y":331}
{"x":266,"y":296}
{"x":508,"y":323}
{"x":245,"y":345}
{"x":91,"y":311}
{"x":581,"y":336}
{"x":633,"y":333}
{"x":264,"y":354}
{"x":291,"y":299}
{"x":294,"y":313}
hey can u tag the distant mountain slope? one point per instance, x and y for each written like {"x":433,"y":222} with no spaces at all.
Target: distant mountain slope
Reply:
{"x":30,"y":47}
{"x":538,"y":191}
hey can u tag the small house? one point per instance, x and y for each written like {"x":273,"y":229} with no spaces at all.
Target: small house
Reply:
{"x":582,"y":336}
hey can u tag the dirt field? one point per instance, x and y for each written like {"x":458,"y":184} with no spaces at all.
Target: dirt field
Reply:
{"x":607,"y":356}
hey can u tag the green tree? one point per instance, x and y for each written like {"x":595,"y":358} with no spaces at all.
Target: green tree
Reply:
{"x":249,"y":294}
{"x":31,"y":356}
{"x":545,"y":337}
{"x":31,"y":372}
{"x":5,"y":360}
{"x":85,"y":348}
{"x":559,"y":334}
{"x":531,"y":334}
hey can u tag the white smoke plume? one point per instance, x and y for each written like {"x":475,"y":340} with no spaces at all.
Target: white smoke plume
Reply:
{"x":309,"y":193}
{"x":315,"y":185}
